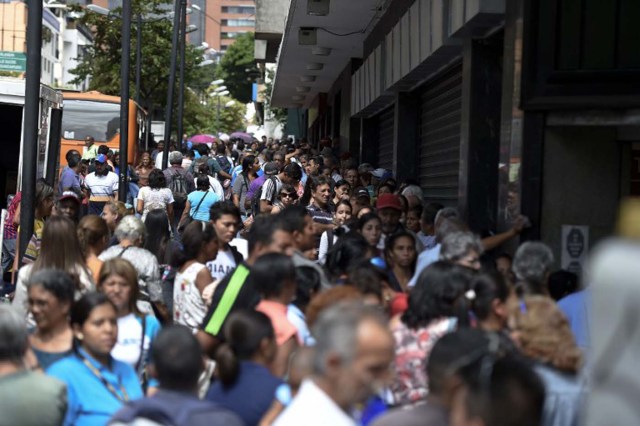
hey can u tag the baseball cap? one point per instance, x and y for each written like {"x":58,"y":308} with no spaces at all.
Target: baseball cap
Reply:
{"x":271,"y":169}
{"x":101,"y":158}
{"x":69,"y":195}
{"x":389,"y":201}
{"x":361,"y":192}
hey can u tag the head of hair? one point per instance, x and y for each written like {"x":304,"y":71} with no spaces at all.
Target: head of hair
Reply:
{"x":91,"y":230}
{"x":14,"y":337}
{"x":73,"y":158}
{"x":158,"y":234}
{"x":43,"y":191}
{"x":118,"y":208}
{"x":122,"y":268}
{"x":313,"y":182}
{"x":532,"y":264}
{"x":270,"y":273}
{"x":202,"y":168}
{"x":368,"y":279}
{"x":293,"y":218}
{"x":365,"y":218}
{"x":307,"y":284}
{"x":457,"y":245}
{"x":195,"y":235}
{"x":390,"y":242}
{"x":429,"y":213}
{"x":60,"y":247}
{"x":336,"y":332}
{"x":293,"y":171}
{"x":177,"y":358}
{"x":545,"y":335}
{"x":175,"y":158}
{"x":439,"y":292}
{"x":130,"y":228}
{"x":448,"y":226}
{"x":157,"y":179}
{"x":82,"y":308}
{"x":202,"y":182}
{"x":263,"y":229}
{"x":247,"y":164}
{"x":103,"y":149}
{"x":562,"y":283}
{"x":222,"y":208}
{"x":448,"y":351}
{"x":488,"y":286}
{"x":344,"y":203}
{"x":513,"y":395}
{"x":244,"y":332}
{"x":351,"y":248}
{"x":58,"y":283}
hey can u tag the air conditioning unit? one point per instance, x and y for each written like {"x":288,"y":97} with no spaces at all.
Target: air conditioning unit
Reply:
{"x":318,"y":7}
{"x":308,"y":36}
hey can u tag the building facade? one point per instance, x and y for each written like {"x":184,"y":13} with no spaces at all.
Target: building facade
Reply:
{"x":222,"y":21}
{"x":496,"y":107}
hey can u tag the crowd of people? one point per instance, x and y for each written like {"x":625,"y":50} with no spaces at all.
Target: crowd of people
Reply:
{"x":272,"y":283}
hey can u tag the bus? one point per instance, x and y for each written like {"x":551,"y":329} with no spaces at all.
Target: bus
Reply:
{"x":98,"y":115}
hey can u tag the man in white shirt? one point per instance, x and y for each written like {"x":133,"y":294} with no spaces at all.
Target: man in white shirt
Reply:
{"x":102,"y":185}
{"x":352,"y":359}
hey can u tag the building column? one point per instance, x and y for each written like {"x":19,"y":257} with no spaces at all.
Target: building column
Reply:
{"x":406,"y":136}
{"x":480,"y":131}
{"x":369,"y":140}
{"x":354,"y":138}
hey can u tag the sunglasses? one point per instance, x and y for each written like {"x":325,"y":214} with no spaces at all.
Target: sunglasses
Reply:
{"x":288,"y":194}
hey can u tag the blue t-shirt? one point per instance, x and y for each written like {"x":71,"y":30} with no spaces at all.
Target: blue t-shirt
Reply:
{"x":69,"y":179}
{"x":89,"y":402}
{"x":577,"y":308}
{"x":203,"y":211}
{"x":250,"y":396}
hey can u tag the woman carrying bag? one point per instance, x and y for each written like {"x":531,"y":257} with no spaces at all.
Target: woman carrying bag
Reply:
{"x":198,"y":203}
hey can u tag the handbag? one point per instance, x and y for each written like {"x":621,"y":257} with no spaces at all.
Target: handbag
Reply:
{"x":183,"y":225}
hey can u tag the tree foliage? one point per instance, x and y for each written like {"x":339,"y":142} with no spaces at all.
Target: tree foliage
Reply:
{"x":277,"y":114}
{"x":238,"y":68}
{"x":102,"y":60}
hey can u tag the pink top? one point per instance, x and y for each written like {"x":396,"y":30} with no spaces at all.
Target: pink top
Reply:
{"x":277,"y":313}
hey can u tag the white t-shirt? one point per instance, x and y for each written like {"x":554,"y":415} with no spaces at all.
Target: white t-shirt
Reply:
{"x":127,"y":349}
{"x":154,"y":199}
{"x":102,"y":186}
{"x":159,"y":160}
{"x":221,"y":265}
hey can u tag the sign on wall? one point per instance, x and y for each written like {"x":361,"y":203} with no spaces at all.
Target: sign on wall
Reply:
{"x":13,"y":61}
{"x":575,"y":245}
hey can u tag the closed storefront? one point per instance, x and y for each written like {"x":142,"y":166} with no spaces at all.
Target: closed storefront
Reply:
{"x":385,"y":139}
{"x":440,"y":120}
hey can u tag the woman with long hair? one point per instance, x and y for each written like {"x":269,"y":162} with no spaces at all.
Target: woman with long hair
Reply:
{"x":243,"y":361}
{"x":60,"y":250}
{"x":50,"y":299}
{"x":543,"y":334}
{"x":44,"y":206}
{"x":250,"y":167}
{"x":400,"y":255}
{"x":370,"y":227}
{"x":93,"y":235}
{"x":155,"y":196}
{"x":341,"y":191}
{"x":341,"y":216}
{"x":97,"y":384}
{"x":199,"y":246}
{"x":119,"y":282}
{"x":287,"y":197}
{"x":159,"y":241}
{"x":437,"y":305}
{"x":144,"y":168}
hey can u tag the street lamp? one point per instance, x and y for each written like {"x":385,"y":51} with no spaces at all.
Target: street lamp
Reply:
{"x":218,"y":93}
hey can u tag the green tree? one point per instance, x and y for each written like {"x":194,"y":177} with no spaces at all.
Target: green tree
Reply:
{"x":274,"y":113}
{"x":238,"y":68}
{"x":102,"y":60}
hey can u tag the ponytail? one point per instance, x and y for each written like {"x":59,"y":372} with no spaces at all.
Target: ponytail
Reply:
{"x":228,"y":365}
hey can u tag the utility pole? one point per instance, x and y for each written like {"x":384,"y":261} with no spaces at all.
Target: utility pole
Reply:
{"x":124,"y":99}
{"x":183,"y":46}
{"x":177,"y":14}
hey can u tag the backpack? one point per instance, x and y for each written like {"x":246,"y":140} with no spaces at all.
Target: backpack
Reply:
{"x":225,"y":165}
{"x":179,"y":188}
{"x":255,"y":201}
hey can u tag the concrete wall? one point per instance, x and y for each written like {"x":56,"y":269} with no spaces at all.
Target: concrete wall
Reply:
{"x":581,"y":182}
{"x":271,"y":16}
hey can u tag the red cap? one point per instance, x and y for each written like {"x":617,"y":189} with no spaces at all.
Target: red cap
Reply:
{"x":389,"y":201}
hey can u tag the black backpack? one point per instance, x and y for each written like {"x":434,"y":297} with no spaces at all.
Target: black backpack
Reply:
{"x":255,"y":201}
{"x":179,"y":188}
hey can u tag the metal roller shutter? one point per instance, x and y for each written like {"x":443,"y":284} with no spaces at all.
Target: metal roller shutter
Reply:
{"x":441,"y":102}
{"x":385,"y":138}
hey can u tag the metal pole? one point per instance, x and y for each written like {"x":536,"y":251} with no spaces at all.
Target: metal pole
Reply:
{"x":183,"y":45}
{"x":138,"y":55}
{"x":31,"y":123}
{"x":124,"y":99}
{"x":177,"y":13}
{"x":218,"y":117}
